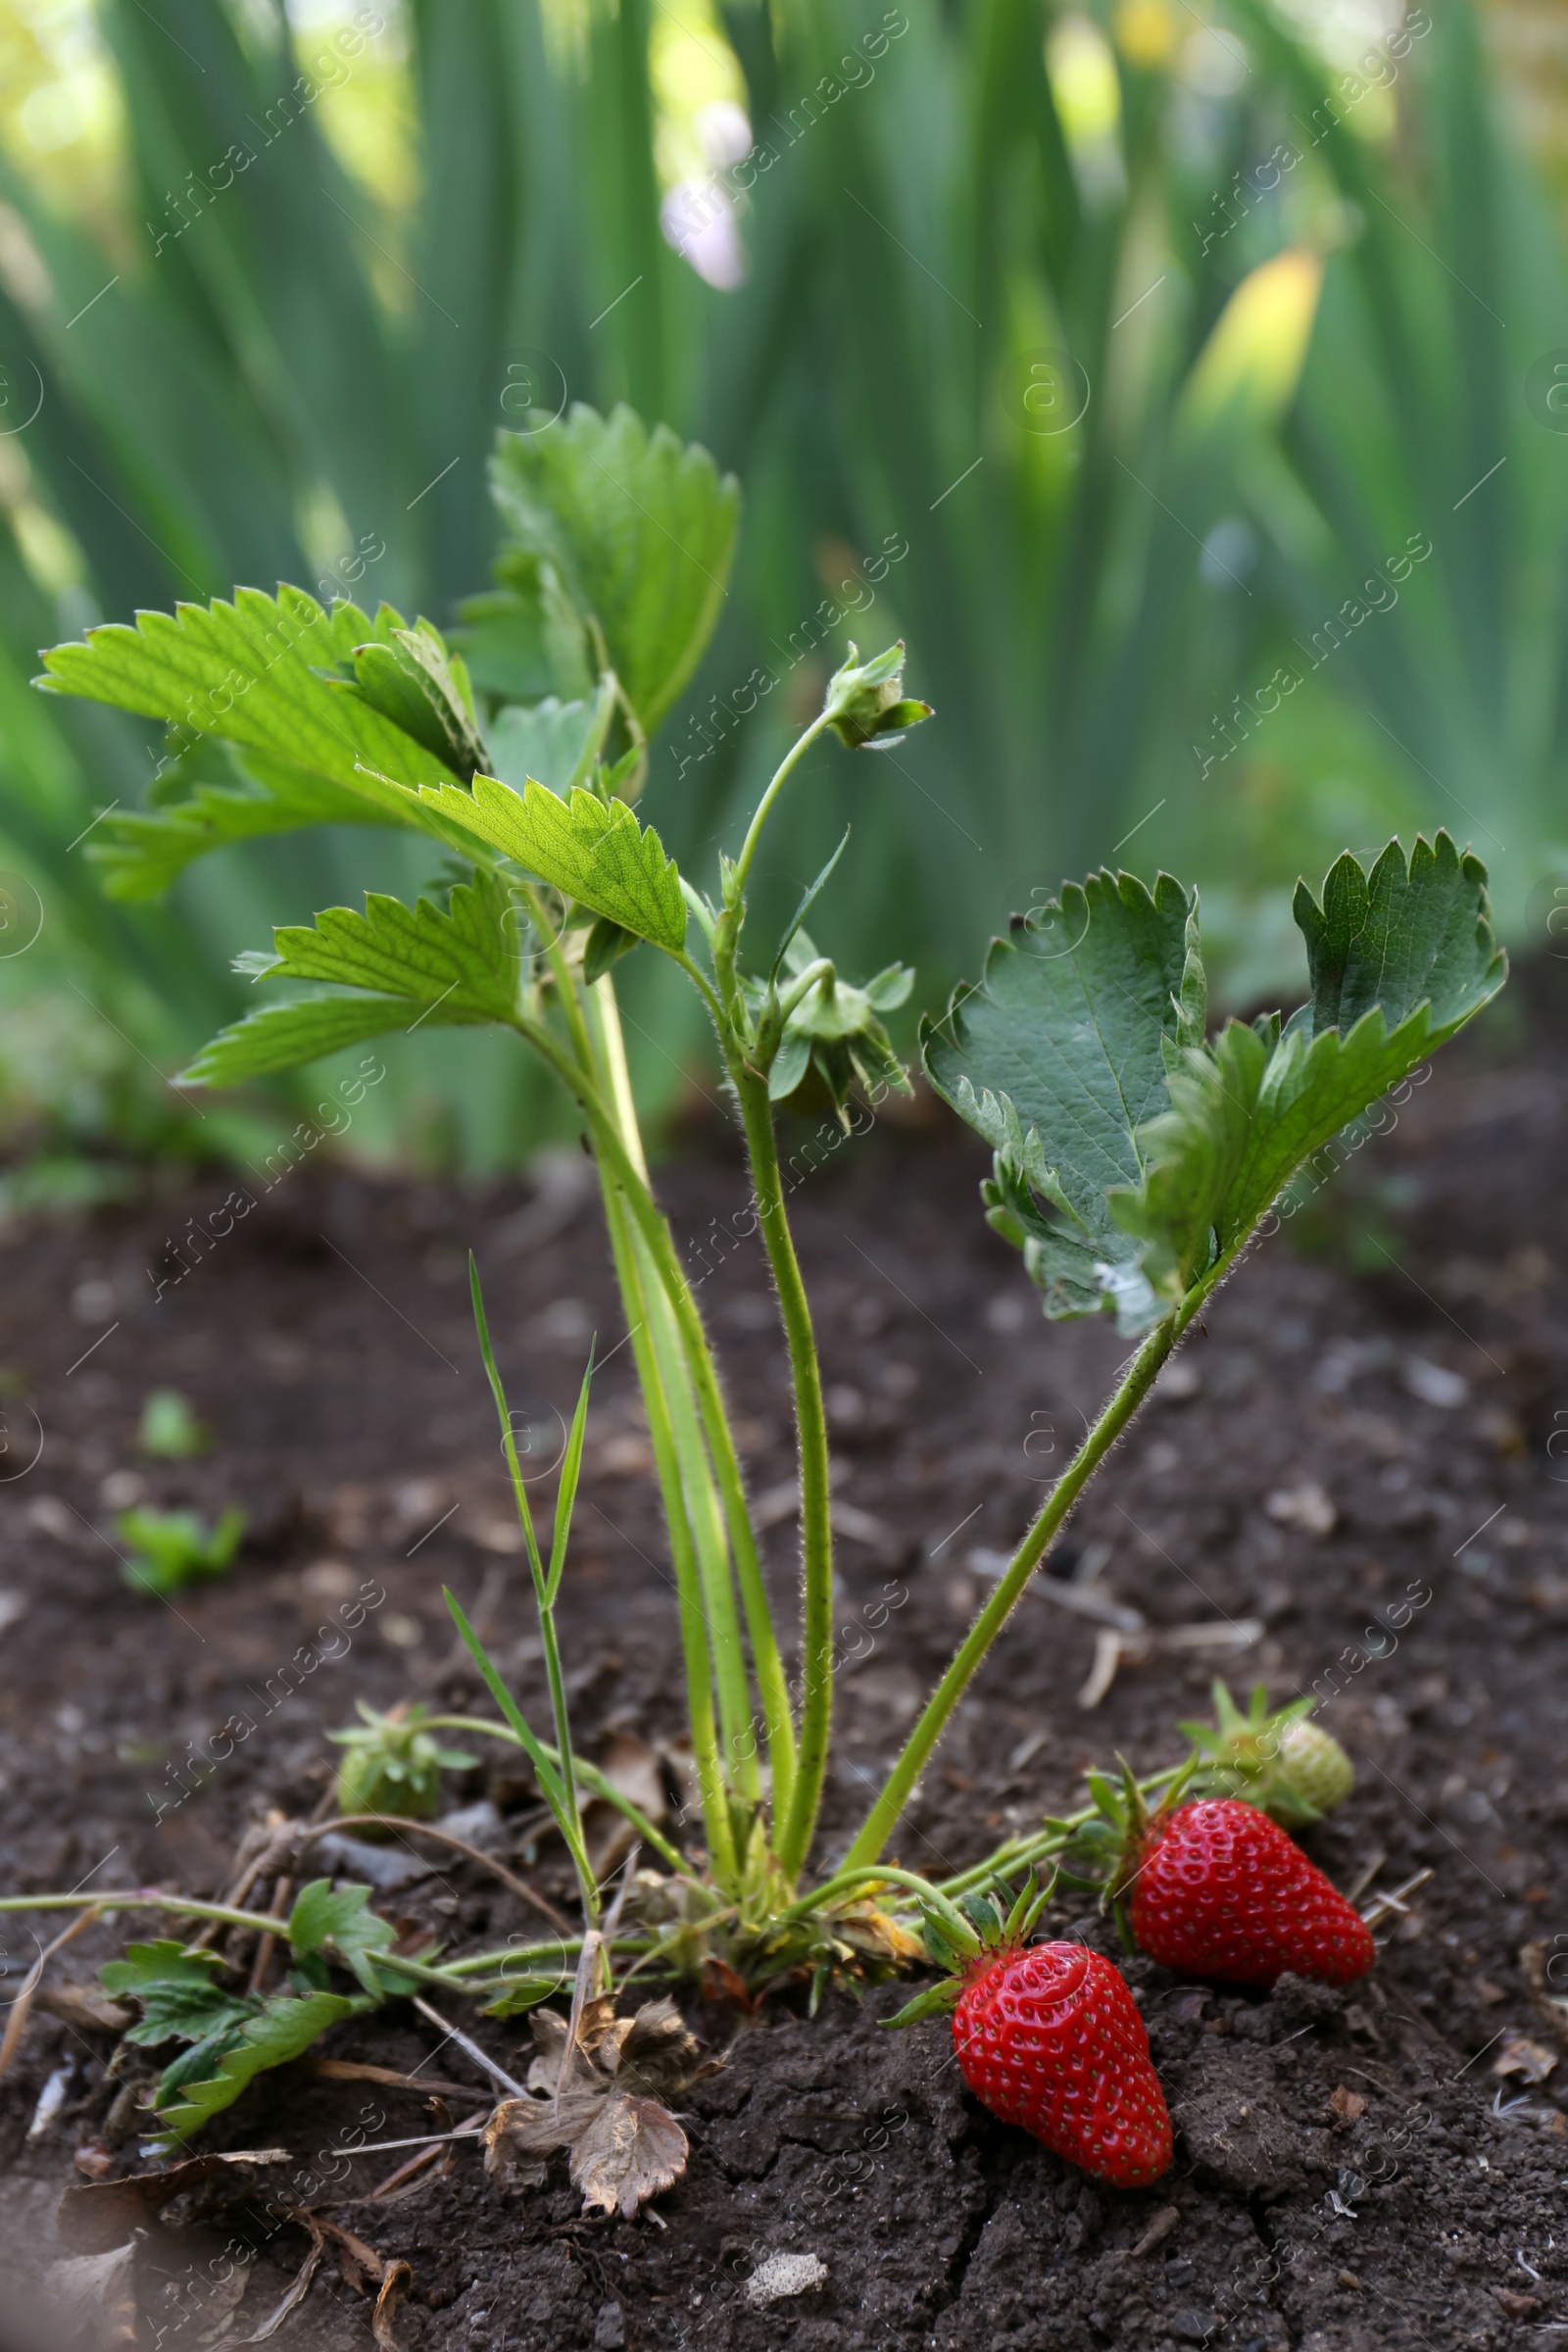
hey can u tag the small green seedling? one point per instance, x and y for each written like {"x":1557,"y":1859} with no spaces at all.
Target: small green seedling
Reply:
{"x":170,"y":1429}
{"x":169,"y":1550}
{"x":392,"y":1764}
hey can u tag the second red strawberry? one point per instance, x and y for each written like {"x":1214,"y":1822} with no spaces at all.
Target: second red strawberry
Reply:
{"x":1218,"y":1890}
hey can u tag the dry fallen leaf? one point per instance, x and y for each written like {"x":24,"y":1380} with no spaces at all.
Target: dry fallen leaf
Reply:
{"x":597,"y":2098}
{"x":300,"y":2287}
{"x":221,"y":2300}
{"x":1346,"y":2105}
{"x":86,"y":2009}
{"x":393,"y":2286}
{"x":1521,"y":2056}
{"x":631,"y":2150}
{"x":877,"y":1935}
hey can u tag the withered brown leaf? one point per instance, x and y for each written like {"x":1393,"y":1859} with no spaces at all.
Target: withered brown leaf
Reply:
{"x":631,"y":2150}
{"x":597,"y":2098}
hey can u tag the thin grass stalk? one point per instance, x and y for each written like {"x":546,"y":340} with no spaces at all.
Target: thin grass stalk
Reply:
{"x":571,"y":1824}
{"x":596,"y":1782}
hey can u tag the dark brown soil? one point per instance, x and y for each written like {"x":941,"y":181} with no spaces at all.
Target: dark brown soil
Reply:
{"x":1350,"y":2172}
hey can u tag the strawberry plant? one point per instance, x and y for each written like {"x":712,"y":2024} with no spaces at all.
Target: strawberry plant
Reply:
{"x":1136,"y":1156}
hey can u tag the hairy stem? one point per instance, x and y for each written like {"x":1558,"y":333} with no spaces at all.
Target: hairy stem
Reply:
{"x":753,"y":831}
{"x":684,"y":1487}
{"x":882,"y":1819}
{"x":1021,"y":1853}
{"x":845,"y":1881}
{"x":651,"y":1223}
{"x":793,"y":1833}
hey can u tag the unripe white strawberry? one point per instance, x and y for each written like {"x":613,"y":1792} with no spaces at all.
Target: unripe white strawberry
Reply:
{"x":1317,"y":1766}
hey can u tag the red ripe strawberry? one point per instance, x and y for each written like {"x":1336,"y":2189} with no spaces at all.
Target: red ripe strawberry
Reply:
{"x":1218,"y":1889}
{"x":1050,"y":2038}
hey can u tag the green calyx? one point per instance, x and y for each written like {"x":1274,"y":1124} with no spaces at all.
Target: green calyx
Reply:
{"x":1104,"y":1852}
{"x":1291,"y":1769}
{"x":866,"y":699}
{"x":393,"y":1765}
{"x":824,"y":1035}
{"x":975,"y":1930}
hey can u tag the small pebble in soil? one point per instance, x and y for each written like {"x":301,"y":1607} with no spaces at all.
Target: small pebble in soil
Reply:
{"x":778,"y":2275}
{"x":1193,"y":2327}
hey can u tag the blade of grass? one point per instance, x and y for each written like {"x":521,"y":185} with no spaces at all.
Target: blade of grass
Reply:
{"x":566,"y":1488}
{"x":552,"y":1784}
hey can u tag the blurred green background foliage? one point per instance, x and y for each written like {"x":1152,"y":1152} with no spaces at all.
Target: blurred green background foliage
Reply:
{"x":1188,"y":385}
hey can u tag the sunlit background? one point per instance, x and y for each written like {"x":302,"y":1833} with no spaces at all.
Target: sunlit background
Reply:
{"x":1129,"y":361}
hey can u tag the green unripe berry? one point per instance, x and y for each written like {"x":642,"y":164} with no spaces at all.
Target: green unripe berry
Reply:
{"x":1290,"y":1767}
{"x":393,"y":1765}
{"x":1316,"y":1766}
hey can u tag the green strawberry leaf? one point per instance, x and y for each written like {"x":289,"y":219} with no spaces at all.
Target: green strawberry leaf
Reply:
{"x":283,"y":1035}
{"x":204,"y":2057}
{"x":1131,"y":1156}
{"x":1406,"y":936}
{"x":415,"y":681}
{"x":1399,"y":961}
{"x":524,"y":639}
{"x":173,"y":1985}
{"x":337,"y":1920}
{"x":1058,"y":1060}
{"x":284,"y":2029}
{"x":554,"y":744}
{"x":606,"y":943}
{"x":1196,"y":1150}
{"x":524,"y":1993}
{"x":639,"y":532}
{"x":592,"y":849}
{"x":251,"y":673}
{"x":140,"y":852}
{"x":464,"y":962}
{"x":423,"y":966}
